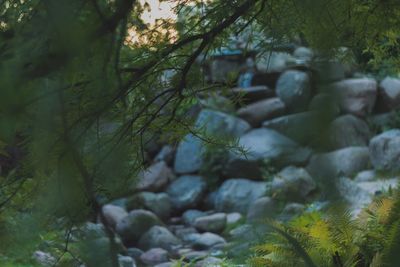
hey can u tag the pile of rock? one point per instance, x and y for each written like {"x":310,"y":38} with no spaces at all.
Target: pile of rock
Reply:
{"x":312,"y":132}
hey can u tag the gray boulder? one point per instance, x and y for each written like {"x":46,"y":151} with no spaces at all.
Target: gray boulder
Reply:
{"x":154,"y":256}
{"x":206,"y":240}
{"x":356,"y":96}
{"x":113,"y":214}
{"x":236,"y":195}
{"x":211,"y":223}
{"x":189,"y":155}
{"x":158,"y":237}
{"x":260,"y":111}
{"x":137,"y":222}
{"x":292,"y":184}
{"x":349,"y":130}
{"x":159,"y":203}
{"x":342,"y":162}
{"x":293,"y":88}
{"x":186,"y":191}
{"x":264,"y":145}
{"x":261,"y":209}
{"x":385,"y":151}
{"x":190,"y":216}
{"x":166,"y":154}
{"x":155,"y":177}
{"x":389,"y":94}
{"x":303,"y":53}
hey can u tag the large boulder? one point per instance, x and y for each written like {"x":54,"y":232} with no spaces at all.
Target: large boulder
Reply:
{"x":292,"y":184}
{"x":389,"y":94}
{"x":304,"y":127}
{"x":261,"y":209}
{"x":159,"y":203}
{"x":356,"y":96}
{"x":218,"y":123}
{"x":155,"y":177}
{"x":206,"y":240}
{"x":262,"y":110}
{"x":294,"y":89}
{"x":113,"y":214}
{"x":158,"y":237}
{"x":349,"y":130}
{"x":211,"y":223}
{"x":343,"y":162}
{"x":264,"y":145}
{"x":236,"y":195}
{"x":190,"y":216}
{"x":385,"y":151}
{"x":187,"y":191}
{"x":189,"y":155}
{"x":154,"y":256}
{"x":137,"y":222}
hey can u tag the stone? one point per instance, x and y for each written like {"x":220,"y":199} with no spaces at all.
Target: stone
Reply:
{"x":113,"y":214}
{"x":184,"y":232}
{"x":218,"y":103}
{"x":166,"y":154}
{"x":134,"y":253}
{"x":206,"y":240}
{"x":257,"y":112}
{"x":160,"y":237}
{"x":159,"y":203}
{"x":233,"y":218}
{"x":187,"y":191}
{"x":125,"y":261}
{"x":261,"y":209}
{"x":356,"y":96}
{"x":385,"y":151}
{"x":293,"y":209}
{"x":155,"y":177}
{"x":389,"y":94}
{"x":347,"y":131}
{"x":303,"y":53}
{"x":252,"y":94}
{"x":273,"y":61}
{"x":189,"y":155}
{"x":209,"y":262}
{"x":343,"y":162}
{"x":218,"y":123}
{"x":211,"y":223}
{"x":292,"y":184}
{"x":264,"y":145}
{"x":193,"y":255}
{"x":304,"y":127}
{"x":190,"y":216}
{"x":136,"y":223}
{"x":154,"y":256}
{"x":43,"y":258}
{"x":294,"y":89}
{"x":365,"y":176}
{"x":236,"y":195}
{"x":326,"y":105}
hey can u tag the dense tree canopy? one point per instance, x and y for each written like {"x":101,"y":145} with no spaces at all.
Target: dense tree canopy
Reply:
{"x":83,"y":91}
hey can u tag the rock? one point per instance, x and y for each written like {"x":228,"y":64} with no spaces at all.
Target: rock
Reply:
{"x":125,"y":261}
{"x":134,"y":253}
{"x":293,"y":209}
{"x":385,"y":151}
{"x":221,"y":124}
{"x":303,"y":53}
{"x":113,"y":214}
{"x":233,"y":218}
{"x":384,"y":122}
{"x":158,"y":237}
{"x":166,"y":154}
{"x":264,"y":145}
{"x":236,"y":195}
{"x":154,"y":256}
{"x":209,"y":262}
{"x":304,"y":127}
{"x":356,"y":96}
{"x":326,"y":105}
{"x":43,"y":258}
{"x":218,"y":103}
{"x":257,"y":112}
{"x":342,"y":162}
{"x":209,"y":201}
{"x":192,"y":255}
{"x":389,"y":94}
{"x":159,"y":203}
{"x":211,"y":223}
{"x":358,"y":195}
{"x":189,"y":155}
{"x":185,"y":233}
{"x":349,"y":130}
{"x":366,"y":176}
{"x":292,"y":184}
{"x":261,"y":209}
{"x":190,"y":216}
{"x":136,"y":223}
{"x":242,"y":232}
{"x":253,"y":93}
{"x":272,"y":61}
{"x":186,"y":191}
{"x":155,"y":177}
{"x":206,"y":240}
{"x":294,"y":89}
